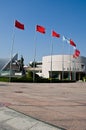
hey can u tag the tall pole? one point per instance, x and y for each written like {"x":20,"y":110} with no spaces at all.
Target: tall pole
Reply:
{"x":13,"y":37}
{"x":63,"y":63}
{"x":51,"y":59}
{"x":34,"y":61}
{"x":75,"y":69}
{"x":70,"y":62}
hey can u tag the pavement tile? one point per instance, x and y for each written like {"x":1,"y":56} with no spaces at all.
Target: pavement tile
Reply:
{"x":21,"y":123}
{"x":13,"y":120}
{"x":42,"y":126}
{"x":4,"y":117}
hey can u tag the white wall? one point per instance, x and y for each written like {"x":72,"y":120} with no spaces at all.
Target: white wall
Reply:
{"x":78,"y":65}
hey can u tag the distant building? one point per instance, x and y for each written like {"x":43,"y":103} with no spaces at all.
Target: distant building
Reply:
{"x":64,"y":67}
{"x":37,"y":69}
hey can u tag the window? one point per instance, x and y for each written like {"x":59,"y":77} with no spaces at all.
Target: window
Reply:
{"x":83,"y":67}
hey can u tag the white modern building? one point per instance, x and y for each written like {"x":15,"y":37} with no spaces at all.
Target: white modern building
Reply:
{"x":63,"y":67}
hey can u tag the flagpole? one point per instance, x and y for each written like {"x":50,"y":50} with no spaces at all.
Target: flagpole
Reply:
{"x":64,"y":39}
{"x":70,"y":62}
{"x":54,"y":34}
{"x":34,"y":60}
{"x":51,"y":59}
{"x":75,"y":69}
{"x":40,"y":29}
{"x":13,"y":37}
{"x":63,"y":64}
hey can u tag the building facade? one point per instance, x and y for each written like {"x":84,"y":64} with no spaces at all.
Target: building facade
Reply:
{"x":63,"y":67}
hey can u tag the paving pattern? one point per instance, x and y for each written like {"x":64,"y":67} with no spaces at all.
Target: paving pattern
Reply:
{"x":12,"y":120}
{"x":60,"y":104}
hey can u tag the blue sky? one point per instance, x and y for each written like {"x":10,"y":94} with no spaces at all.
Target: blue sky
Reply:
{"x":66,"y":17}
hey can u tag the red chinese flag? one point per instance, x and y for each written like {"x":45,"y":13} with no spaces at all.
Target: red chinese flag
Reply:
{"x":19,"y":25}
{"x":72,"y":43}
{"x":40,"y":29}
{"x":76,"y":53}
{"x":54,"y":34}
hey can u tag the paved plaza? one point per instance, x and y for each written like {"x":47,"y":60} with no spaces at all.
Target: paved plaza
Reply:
{"x":47,"y":106}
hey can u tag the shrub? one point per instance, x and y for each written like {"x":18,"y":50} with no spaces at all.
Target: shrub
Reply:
{"x":4,"y":79}
{"x":84,"y":79}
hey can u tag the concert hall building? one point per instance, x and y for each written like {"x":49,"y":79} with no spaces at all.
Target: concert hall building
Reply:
{"x":63,"y":67}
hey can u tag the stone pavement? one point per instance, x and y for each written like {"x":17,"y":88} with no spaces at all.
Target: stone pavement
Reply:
{"x":12,"y":120}
{"x":60,"y":104}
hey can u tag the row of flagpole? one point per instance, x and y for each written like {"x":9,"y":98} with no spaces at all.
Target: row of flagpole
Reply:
{"x":42,"y":30}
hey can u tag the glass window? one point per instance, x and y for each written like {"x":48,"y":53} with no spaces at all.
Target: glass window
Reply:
{"x":82,"y":67}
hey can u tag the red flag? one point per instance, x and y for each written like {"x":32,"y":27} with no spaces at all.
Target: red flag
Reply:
{"x":19,"y":25}
{"x":72,"y":43}
{"x":40,"y":29}
{"x":76,"y":53}
{"x":54,"y":34}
